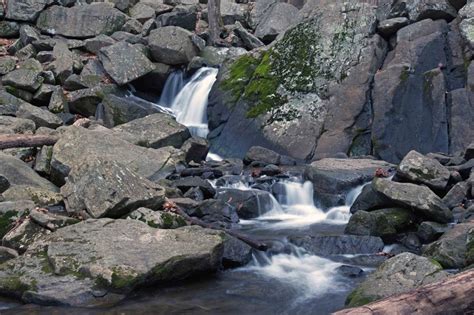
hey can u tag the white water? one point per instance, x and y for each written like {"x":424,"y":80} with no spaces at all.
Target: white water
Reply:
{"x":190,"y":104}
{"x":173,"y":85}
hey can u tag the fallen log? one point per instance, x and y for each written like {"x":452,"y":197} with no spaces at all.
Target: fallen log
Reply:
{"x":173,"y":207}
{"x":453,"y":295}
{"x":25,"y":141}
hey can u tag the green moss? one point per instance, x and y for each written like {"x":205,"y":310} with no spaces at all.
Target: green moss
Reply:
{"x":13,"y":283}
{"x":435,"y":262}
{"x":357,"y":298}
{"x":6,"y":221}
{"x":428,"y":81}
{"x":405,"y":74}
{"x":240,"y":73}
{"x":122,"y":280}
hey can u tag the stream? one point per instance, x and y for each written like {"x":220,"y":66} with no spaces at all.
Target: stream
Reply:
{"x":285,"y":280}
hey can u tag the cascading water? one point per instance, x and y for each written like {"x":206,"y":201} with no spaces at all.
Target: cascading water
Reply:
{"x":173,"y":85}
{"x":190,"y":104}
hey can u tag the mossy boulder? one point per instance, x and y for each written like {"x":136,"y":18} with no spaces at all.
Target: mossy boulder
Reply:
{"x":399,"y":274}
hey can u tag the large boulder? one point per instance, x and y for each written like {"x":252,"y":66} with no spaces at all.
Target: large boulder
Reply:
{"x":12,"y":125}
{"x":24,"y":10}
{"x":306,"y":96}
{"x":108,"y":189}
{"x":334,"y":178}
{"x":399,"y":274}
{"x":276,"y":20}
{"x":420,"y":169}
{"x":248,"y":203}
{"x":409,"y":103}
{"x":124,"y":62}
{"x":77,"y":144}
{"x":24,"y":78}
{"x":98,"y":262}
{"x":172,"y":45}
{"x":81,"y":21}
{"x":451,"y":248}
{"x":155,"y":131}
{"x":418,"y":198}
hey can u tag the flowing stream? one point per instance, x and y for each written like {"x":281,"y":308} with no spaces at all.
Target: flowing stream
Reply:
{"x":284,"y":280}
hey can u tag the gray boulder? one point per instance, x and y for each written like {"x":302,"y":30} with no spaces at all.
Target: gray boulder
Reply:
{"x":186,"y":183}
{"x":215,"y":212}
{"x":196,"y":149}
{"x":94,"y":45}
{"x":124,"y":62}
{"x":456,"y":195}
{"x":107,"y":259}
{"x":24,"y":78}
{"x":63,"y":64}
{"x":327,"y":245}
{"x":451,"y":248}
{"x":399,"y":274}
{"x":236,"y":253}
{"x":369,"y":200}
{"x":25,"y":10}
{"x":7,"y":64}
{"x":420,"y":169}
{"x":334,"y":178}
{"x":157,"y":219}
{"x":248,"y":203}
{"x":11,"y":211}
{"x":25,"y":234}
{"x":77,"y":145}
{"x":85,"y":101}
{"x":276,"y":20}
{"x":12,"y":125}
{"x":250,"y":41}
{"x":390,"y":27}
{"x":172,"y":45}
{"x":431,"y":231}
{"x":9,"y":29}
{"x":418,"y":198}
{"x":108,"y":189}
{"x":81,"y":21}
{"x":154,"y":131}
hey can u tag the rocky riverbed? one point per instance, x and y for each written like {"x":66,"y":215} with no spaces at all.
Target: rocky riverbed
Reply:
{"x":141,"y":166}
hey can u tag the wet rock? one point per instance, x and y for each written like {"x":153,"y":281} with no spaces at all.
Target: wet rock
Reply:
{"x":430,"y":231}
{"x":383,"y":223}
{"x":13,"y":125}
{"x":276,"y":20}
{"x":399,"y":274}
{"x":450,"y":249}
{"x":236,"y":253}
{"x":196,"y":149}
{"x":102,"y":269}
{"x":124,"y":62}
{"x":24,"y":10}
{"x":76,"y":145}
{"x":333,"y":178}
{"x":350,"y":271}
{"x":326,"y":245}
{"x":215,"y":212}
{"x":369,"y":200}
{"x":418,"y":198}
{"x":417,"y":168}
{"x":154,"y":131}
{"x":172,"y":45}
{"x":108,"y":189}
{"x":186,"y":183}
{"x":157,"y":219}
{"x":456,"y":195}
{"x":81,"y":21}
{"x":248,"y":203}
{"x":7,"y":254}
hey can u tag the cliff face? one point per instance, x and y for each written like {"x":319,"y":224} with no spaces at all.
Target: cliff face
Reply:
{"x":355,"y":78}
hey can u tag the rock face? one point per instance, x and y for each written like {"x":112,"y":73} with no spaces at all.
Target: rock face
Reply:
{"x":420,"y":169}
{"x":155,"y":131}
{"x":399,"y":274}
{"x":419,"y":198}
{"x":108,"y":189}
{"x":107,"y":259}
{"x":333,"y":178}
{"x":124,"y":63}
{"x":81,"y":21}
{"x":78,"y":144}
{"x":172,"y":45}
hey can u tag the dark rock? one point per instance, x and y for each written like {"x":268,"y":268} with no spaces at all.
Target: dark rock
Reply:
{"x":276,"y":20}
{"x":456,"y":195}
{"x":85,"y":101}
{"x":28,"y":34}
{"x":420,"y":169}
{"x":270,"y":170}
{"x":469,"y":154}
{"x":181,"y":18}
{"x":124,"y":62}
{"x":81,"y":21}
{"x":186,"y":183}
{"x":196,"y":149}
{"x":390,"y":27}
{"x":236,"y":253}
{"x":154,"y":131}
{"x":418,"y":198}
{"x":195,"y":194}
{"x":369,"y":200}
{"x":4,"y":183}
{"x":215,"y":212}
{"x":261,"y":154}
{"x":25,"y":234}
{"x":325,"y":245}
{"x":94,"y":45}
{"x":172,"y":45}
{"x":399,"y":274}
{"x":23,"y":78}
{"x":451,"y":248}
{"x":250,"y":41}
{"x":24,"y":10}
{"x":430,"y":231}
{"x":120,"y":110}
{"x":461,"y":110}
{"x":350,"y":271}
{"x":9,"y":29}
{"x":248,"y":203}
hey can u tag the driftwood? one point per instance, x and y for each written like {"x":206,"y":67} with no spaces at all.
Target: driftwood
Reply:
{"x":453,"y":295}
{"x":172,"y":207}
{"x":25,"y":141}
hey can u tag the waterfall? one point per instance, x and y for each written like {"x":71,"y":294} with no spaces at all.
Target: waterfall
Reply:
{"x":341,"y":214}
{"x":173,"y":85}
{"x":190,"y":105}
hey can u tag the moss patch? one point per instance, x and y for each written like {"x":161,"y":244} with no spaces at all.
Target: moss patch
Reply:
{"x":357,"y":298}
{"x":6,"y":221}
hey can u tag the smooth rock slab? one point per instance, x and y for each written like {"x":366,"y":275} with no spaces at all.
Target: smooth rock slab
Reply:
{"x":124,"y":62}
{"x":172,"y":45}
{"x":399,"y":274}
{"x":108,"y":189}
{"x":418,"y":198}
{"x":98,"y":262}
